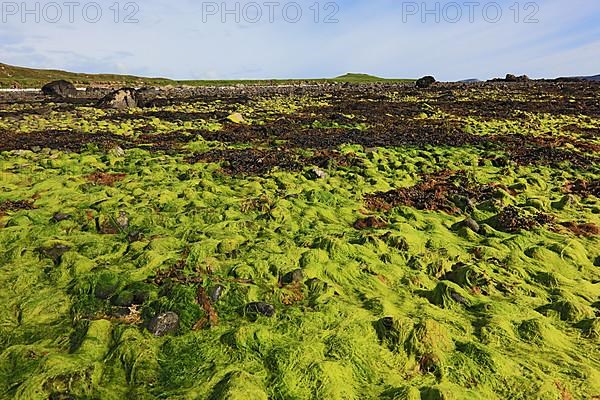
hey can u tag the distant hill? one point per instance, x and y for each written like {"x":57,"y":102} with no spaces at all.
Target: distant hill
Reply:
{"x":11,"y":76}
{"x":595,"y":78}
{"x":366,"y":78}
{"x":22,"y":77}
{"x":473,"y":80}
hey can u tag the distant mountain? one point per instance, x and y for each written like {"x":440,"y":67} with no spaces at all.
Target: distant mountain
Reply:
{"x":473,"y":80}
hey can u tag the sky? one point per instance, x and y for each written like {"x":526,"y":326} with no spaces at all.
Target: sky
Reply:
{"x":193,"y":39}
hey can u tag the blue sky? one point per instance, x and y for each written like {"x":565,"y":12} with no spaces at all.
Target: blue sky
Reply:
{"x":381,"y":37}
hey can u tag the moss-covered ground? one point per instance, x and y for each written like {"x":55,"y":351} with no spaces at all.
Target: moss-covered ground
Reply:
{"x":433,"y":244}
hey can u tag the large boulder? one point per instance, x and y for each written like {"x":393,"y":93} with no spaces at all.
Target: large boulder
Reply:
{"x":60,"y":88}
{"x":425,"y":82}
{"x":120,"y":99}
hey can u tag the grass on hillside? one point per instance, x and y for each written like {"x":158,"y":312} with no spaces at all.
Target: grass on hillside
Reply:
{"x":21,"y":77}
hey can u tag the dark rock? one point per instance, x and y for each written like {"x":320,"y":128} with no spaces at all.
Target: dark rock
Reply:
{"x":60,"y":88}
{"x":294,"y":276}
{"x":164,"y":324}
{"x":425,"y":82}
{"x":58,"y":217}
{"x":513,"y":78}
{"x":458,"y":298}
{"x":215,"y":293}
{"x":120,"y":99}
{"x":471,"y":224}
{"x":260,"y":308}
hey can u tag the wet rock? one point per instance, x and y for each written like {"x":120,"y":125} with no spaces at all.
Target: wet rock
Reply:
{"x":215,"y":293}
{"x":425,"y":82}
{"x":59,"y":88}
{"x":471,"y":224}
{"x":260,"y":308}
{"x":294,"y":276}
{"x":164,"y":324}
{"x":58,"y":217}
{"x":120,"y":99}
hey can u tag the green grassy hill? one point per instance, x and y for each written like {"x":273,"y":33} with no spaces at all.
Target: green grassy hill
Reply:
{"x":21,"y":77}
{"x":12,"y":76}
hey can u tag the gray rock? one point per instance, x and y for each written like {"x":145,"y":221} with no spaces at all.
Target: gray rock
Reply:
{"x":120,"y":99}
{"x":58,"y":217}
{"x":472,"y":224}
{"x":60,"y":88}
{"x":164,"y":324}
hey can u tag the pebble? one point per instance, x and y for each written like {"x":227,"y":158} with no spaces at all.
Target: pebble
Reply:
{"x":58,"y":217}
{"x":215,"y":293}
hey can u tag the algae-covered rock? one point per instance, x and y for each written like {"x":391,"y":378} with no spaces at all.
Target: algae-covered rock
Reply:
{"x":236,"y":118}
{"x":430,"y":343}
{"x":393,"y":332}
{"x":448,"y":294}
{"x":106,"y":285}
{"x":239,"y":386}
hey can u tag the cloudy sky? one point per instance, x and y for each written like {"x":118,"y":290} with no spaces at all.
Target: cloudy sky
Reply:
{"x":191,"y":39}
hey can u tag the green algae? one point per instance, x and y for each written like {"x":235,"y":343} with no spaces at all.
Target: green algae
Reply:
{"x":420,"y":309}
